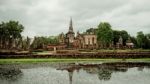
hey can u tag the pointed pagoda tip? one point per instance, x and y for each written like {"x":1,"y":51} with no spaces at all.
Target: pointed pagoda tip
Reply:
{"x":70,"y":25}
{"x":70,"y":21}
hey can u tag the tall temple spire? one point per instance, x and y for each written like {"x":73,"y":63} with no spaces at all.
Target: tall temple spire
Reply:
{"x":70,"y":25}
{"x":70,"y":34}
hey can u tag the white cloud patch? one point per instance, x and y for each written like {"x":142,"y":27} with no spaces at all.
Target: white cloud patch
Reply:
{"x":51,"y":17}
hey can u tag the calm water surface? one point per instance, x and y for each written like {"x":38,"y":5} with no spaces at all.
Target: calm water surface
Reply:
{"x":76,"y":73}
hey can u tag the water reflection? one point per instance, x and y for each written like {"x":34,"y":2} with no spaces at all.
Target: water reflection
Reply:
{"x":104,"y":71}
{"x":10,"y":73}
{"x":76,"y":73}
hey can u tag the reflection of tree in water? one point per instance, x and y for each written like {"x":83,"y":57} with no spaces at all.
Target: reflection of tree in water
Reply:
{"x":70,"y":68}
{"x":104,"y":73}
{"x":11,"y":74}
{"x":148,"y":67}
{"x":70,"y":76}
{"x":140,"y":68}
{"x":105,"y":70}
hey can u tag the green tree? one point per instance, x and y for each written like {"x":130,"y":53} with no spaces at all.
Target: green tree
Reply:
{"x":104,"y":34}
{"x":4,"y":35}
{"x":147,"y":41}
{"x":9,"y":33}
{"x":116,"y":36}
{"x":124,"y":34}
{"x":41,"y":42}
{"x":148,"y":36}
{"x":134,"y":40}
{"x":91,"y":31}
{"x":15,"y":30}
{"x":140,"y":39}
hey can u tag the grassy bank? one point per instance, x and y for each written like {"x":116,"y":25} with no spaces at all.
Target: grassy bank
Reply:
{"x":10,"y":61}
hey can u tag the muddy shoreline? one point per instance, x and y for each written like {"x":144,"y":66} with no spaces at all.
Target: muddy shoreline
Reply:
{"x":143,"y":54}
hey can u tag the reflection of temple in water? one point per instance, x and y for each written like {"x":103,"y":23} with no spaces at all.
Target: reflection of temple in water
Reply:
{"x":71,"y":68}
{"x":71,"y":71}
{"x":103,"y":71}
{"x":70,"y":76}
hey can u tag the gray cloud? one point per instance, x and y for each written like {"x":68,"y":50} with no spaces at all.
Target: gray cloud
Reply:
{"x":51,"y":17}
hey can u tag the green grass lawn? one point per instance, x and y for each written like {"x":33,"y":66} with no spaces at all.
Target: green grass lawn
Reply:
{"x":50,"y":60}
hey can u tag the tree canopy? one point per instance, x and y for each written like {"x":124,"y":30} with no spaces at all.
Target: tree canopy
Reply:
{"x":143,"y":41}
{"x":116,"y":35}
{"x":10,"y":37}
{"x":41,"y":42}
{"x":10,"y":32}
{"x":105,"y":34}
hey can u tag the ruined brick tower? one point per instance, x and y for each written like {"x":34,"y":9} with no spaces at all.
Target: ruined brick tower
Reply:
{"x":70,"y":34}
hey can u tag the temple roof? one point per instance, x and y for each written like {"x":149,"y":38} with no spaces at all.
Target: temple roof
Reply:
{"x":70,"y":27}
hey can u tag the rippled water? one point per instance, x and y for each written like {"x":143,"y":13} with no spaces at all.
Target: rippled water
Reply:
{"x":76,"y":73}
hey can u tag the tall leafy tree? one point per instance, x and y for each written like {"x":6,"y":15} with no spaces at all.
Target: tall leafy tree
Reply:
{"x":140,"y":39}
{"x":124,"y":34}
{"x":148,"y":36}
{"x":104,"y":34}
{"x":147,"y":41}
{"x":9,"y":33}
{"x":134,"y":40}
{"x":4,"y":35}
{"x":116,"y":37}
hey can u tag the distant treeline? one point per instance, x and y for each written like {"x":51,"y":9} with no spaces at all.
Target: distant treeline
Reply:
{"x":10,"y":34}
{"x":11,"y":38}
{"x":107,"y":36}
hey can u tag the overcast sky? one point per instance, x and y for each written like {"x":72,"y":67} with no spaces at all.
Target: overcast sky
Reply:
{"x":51,"y":17}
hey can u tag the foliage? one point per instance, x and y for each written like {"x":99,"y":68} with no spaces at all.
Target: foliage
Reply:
{"x":148,"y":36}
{"x":91,"y":31}
{"x":41,"y":42}
{"x":10,"y":33}
{"x":10,"y":37}
{"x":104,"y":73}
{"x":133,"y":39}
{"x":116,"y":34}
{"x":143,"y":41}
{"x":26,"y":43}
{"x":140,"y":39}
{"x":105,"y":34}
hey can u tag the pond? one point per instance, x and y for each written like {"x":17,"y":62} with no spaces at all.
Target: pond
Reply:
{"x":76,"y":73}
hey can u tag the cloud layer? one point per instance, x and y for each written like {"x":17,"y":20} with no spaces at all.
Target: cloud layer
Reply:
{"x":51,"y":17}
